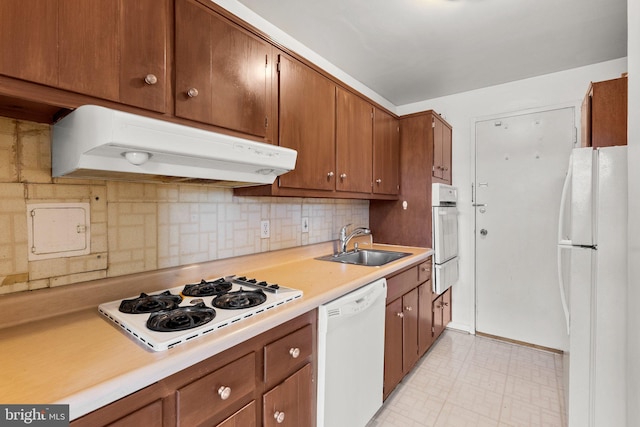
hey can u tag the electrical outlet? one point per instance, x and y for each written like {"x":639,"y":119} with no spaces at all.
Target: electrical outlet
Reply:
{"x":265,"y":231}
{"x":305,"y":225}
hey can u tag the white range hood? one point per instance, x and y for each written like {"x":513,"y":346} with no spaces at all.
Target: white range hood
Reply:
{"x":100,"y":143}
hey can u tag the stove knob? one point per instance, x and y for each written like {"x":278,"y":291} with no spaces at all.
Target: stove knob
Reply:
{"x":279,"y":416}
{"x":274,"y":286}
{"x":294,"y":352}
{"x":224,"y":392}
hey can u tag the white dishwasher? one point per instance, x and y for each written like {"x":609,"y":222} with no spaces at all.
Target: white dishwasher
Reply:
{"x":351,"y":357}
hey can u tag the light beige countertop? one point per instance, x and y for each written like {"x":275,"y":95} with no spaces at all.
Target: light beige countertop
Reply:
{"x":66,"y":352}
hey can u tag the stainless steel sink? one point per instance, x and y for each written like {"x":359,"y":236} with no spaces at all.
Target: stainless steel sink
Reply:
{"x":368,"y":257}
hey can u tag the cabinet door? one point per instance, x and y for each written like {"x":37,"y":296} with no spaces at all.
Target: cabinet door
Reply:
{"x":393,"y":372}
{"x":441,"y":149}
{"x":354,"y":142}
{"x":245,"y":417}
{"x":438,"y":320}
{"x":28,"y":36}
{"x":222,"y":72}
{"x":386,"y":153}
{"x":410,"y":330}
{"x":290,"y":403}
{"x":193,"y":61}
{"x":306,"y":124}
{"x":240,"y":77}
{"x":446,"y":154}
{"x":88,"y":47}
{"x":143,"y":48}
{"x":609,"y":113}
{"x":425,"y":321}
{"x":447,"y":308}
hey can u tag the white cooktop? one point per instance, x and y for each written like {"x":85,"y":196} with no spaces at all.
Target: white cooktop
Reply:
{"x":136,"y":324}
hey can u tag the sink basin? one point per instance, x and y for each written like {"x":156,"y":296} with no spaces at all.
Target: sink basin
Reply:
{"x":368,"y":257}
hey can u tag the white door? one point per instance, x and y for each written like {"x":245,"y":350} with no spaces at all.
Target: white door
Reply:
{"x":521,"y":162}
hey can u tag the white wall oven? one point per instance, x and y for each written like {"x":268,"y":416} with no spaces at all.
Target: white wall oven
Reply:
{"x":445,"y":236}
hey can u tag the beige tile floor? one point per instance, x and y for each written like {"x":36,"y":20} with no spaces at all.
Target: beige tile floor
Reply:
{"x":466,"y":380}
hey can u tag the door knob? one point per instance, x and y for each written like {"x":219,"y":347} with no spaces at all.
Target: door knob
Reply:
{"x":483,"y":232}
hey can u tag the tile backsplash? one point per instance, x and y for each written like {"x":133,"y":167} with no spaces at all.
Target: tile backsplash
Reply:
{"x":139,"y":227}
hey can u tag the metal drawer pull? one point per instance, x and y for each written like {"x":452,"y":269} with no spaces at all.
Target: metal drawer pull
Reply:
{"x":224,"y":392}
{"x":330,"y":174}
{"x":279,"y":416}
{"x":294,"y":352}
{"x":192,"y":93}
{"x":408,"y":308}
{"x":150,"y":79}
{"x":378,"y":181}
{"x":343,"y":175}
{"x":400,"y":315}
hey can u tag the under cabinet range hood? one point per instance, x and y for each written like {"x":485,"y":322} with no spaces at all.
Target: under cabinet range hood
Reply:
{"x":100,"y":143}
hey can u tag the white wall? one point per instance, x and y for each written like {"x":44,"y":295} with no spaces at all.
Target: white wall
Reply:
{"x":633,"y":297}
{"x":462,"y":110}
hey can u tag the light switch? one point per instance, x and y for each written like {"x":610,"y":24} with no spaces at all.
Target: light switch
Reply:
{"x":58,"y":230}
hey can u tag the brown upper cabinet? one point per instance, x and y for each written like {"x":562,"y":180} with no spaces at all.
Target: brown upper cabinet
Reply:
{"x":223,"y":72}
{"x":441,"y":134}
{"x":354,"y":143}
{"x":210,"y":69}
{"x":29,"y":40}
{"x":604,"y":114}
{"x":345,"y":149}
{"x":386,"y":153}
{"x":114,"y":50}
{"x":306,"y":106}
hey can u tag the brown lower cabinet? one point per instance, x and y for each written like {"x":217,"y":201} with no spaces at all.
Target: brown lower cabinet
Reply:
{"x":276,"y":368}
{"x":409,"y":322}
{"x":441,"y":312}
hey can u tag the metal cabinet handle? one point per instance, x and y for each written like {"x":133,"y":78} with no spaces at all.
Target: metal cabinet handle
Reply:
{"x":279,"y":416}
{"x":224,"y":392}
{"x":378,"y":181}
{"x":330,"y":174}
{"x":343,"y":175}
{"x":484,"y":232}
{"x":294,"y":352}
{"x":426,"y":269}
{"x":445,"y":304}
{"x":400,"y":315}
{"x":150,"y":79}
{"x":192,"y":92}
{"x":408,"y":308}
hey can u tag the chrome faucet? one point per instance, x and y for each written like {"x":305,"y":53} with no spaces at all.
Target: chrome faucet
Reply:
{"x":344,"y":238}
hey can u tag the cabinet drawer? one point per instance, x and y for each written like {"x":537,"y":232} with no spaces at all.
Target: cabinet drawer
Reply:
{"x":402,"y":283}
{"x":286,"y":355}
{"x":213,"y":394}
{"x":424,"y":271}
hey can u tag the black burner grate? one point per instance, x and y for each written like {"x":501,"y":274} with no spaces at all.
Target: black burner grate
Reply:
{"x":239,"y":299}
{"x":181,"y":318}
{"x":207,"y":289}
{"x":150,"y":303}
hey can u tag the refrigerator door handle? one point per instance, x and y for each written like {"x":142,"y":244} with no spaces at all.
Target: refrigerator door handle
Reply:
{"x":563,"y":204}
{"x":566,"y":243}
{"x":563,"y":296}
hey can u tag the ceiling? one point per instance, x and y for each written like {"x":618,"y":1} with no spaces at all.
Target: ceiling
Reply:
{"x":415,"y":50}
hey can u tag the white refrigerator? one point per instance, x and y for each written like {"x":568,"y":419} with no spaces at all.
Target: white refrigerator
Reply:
{"x":592,"y":270}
